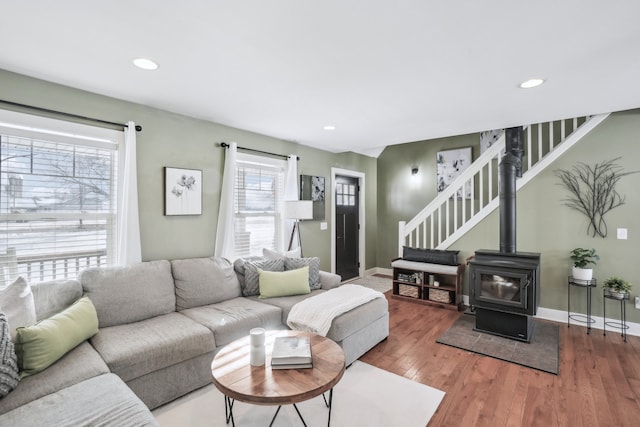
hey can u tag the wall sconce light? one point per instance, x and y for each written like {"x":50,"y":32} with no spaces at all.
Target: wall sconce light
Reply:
{"x":414,"y":170}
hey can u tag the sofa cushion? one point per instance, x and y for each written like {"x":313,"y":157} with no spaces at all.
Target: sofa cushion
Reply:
{"x":81,"y":363}
{"x":100,"y":401}
{"x":284,"y":283}
{"x":9,"y":375}
{"x":251,"y":276}
{"x":232,"y":319}
{"x":314,"y":269}
{"x":130,"y":294}
{"x":285,"y":303}
{"x":203,"y":281}
{"x":353,"y":320}
{"x":16,"y":302}
{"x":39,"y":345}
{"x":135,"y":349}
{"x":53,"y":296}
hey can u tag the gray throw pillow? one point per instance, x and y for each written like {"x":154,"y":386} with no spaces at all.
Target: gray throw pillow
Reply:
{"x":252,"y":278}
{"x":9,"y":375}
{"x":314,"y":269}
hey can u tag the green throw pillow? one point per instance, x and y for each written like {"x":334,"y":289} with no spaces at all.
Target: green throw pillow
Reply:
{"x":40,"y":345}
{"x":284,"y":283}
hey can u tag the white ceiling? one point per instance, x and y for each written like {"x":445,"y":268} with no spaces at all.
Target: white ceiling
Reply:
{"x":383,"y":72}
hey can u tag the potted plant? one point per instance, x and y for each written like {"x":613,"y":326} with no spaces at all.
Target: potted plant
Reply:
{"x":617,"y":288}
{"x":581,"y":258}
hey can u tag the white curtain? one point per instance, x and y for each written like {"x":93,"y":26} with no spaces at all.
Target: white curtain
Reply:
{"x":225,"y":239}
{"x":129,"y":249}
{"x":290,"y":193}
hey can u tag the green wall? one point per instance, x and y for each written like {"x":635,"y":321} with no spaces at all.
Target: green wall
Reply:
{"x":545,"y":225}
{"x":392,"y":194}
{"x":402,"y":195}
{"x":170,"y":139}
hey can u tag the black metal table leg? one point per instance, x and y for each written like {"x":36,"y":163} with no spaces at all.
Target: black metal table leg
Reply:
{"x":623,"y":310}
{"x":228,"y":410}
{"x":329,"y":405}
{"x":275,"y":415}
{"x":589,"y":310}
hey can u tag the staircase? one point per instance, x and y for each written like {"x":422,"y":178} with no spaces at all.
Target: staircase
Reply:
{"x":449,"y":216}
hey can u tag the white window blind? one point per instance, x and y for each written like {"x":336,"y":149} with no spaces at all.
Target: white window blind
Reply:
{"x":259,"y":190}
{"x":58,"y":197}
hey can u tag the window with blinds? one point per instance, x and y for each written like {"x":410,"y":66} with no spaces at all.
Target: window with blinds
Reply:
{"x":259,"y":190}
{"x":57,"y":202}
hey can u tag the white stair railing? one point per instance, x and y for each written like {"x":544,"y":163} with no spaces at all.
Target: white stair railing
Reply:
{"x":474,"y":193}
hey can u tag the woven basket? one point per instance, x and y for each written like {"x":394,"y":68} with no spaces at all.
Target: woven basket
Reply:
{"x":408,"y":291}
{"x":440,"y":296}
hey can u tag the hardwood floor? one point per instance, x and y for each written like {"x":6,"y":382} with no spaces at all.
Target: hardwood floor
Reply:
{"x":598,"y":382}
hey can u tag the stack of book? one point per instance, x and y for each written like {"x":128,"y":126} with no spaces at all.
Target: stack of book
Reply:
{"x":291,"y":353}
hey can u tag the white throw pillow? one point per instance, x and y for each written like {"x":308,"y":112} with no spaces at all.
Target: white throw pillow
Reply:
{"x":16,"y":301}
{"x":269,"y":254}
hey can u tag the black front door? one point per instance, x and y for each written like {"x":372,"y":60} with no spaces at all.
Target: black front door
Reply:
{"x":347,"y":227}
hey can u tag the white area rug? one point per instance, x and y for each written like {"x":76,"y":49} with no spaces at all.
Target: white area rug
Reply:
{"x":365,"y":396}
{"x":378,"y":283}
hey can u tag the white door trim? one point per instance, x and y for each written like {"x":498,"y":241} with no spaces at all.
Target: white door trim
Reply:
{"x":361,"y":218}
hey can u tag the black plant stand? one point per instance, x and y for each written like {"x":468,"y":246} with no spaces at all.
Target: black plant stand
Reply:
{"x":622,"y":325}
{"x":588,"y":319}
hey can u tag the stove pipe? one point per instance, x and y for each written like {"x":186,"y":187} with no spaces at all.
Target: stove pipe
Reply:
{"x":510,"y":167}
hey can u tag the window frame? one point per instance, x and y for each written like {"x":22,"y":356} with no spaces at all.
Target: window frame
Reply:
{"x":38,"y":128}
{"x":269,"y":164}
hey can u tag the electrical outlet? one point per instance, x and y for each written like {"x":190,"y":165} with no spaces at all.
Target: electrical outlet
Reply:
{"x":622,"y":233}
{"x":638,"y":302}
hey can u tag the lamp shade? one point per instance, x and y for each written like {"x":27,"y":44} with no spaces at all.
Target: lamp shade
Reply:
{"x":298,"y":209}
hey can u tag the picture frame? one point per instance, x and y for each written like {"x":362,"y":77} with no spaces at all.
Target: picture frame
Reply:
{"x":488,"y":137}
{"x":182,"y":191}
{"x":449,"y":165}
{"x":313,"y":188}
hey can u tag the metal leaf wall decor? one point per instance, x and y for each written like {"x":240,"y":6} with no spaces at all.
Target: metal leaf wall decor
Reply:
{"x":593,"y":191}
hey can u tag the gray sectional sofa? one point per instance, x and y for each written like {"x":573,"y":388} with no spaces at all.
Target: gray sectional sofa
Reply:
{"x":160,"y":325}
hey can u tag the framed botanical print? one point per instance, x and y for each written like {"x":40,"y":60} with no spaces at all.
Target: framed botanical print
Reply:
{"x":182,"y":191}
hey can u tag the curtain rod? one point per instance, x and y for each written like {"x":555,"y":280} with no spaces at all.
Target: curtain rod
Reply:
{"x":62,"y":113}
{"x":225,"y":145}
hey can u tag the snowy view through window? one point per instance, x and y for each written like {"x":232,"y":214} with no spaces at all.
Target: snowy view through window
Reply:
{"x":257,"y":220}
{"x":57,"y":207}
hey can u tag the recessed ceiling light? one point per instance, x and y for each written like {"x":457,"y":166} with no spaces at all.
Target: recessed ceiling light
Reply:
{"x":531,"y":83}
{"x":145,"y":64}
{"x":329,"y":127}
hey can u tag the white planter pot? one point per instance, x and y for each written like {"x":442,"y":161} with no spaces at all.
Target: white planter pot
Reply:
{"x":582,"y":273}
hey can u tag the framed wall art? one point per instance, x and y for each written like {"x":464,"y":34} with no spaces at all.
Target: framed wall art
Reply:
{"x":182,"y":191}
{"x":488,"y":137}
{"x":313,"y":188}
{"x":450,"y":164}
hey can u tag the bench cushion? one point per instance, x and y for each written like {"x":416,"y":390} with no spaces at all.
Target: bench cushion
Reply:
{"x":136,"y":349}
{"x":423,"y":266}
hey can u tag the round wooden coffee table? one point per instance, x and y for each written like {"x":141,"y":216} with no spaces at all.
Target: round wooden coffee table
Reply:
{"x":260,"y":385}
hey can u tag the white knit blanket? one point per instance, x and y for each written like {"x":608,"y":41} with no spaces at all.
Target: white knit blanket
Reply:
{"x":315,"y":314}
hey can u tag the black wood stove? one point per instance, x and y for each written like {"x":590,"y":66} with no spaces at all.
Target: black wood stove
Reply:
{"x":504,"y":285}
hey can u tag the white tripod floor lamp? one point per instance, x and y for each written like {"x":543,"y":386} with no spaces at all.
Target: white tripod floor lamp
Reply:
{"x":297,"y":210}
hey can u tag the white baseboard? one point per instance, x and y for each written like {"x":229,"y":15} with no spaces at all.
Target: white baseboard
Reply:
{"x":560,"y":316}
{"x":552,"y":314}
{"x":379,"y":270}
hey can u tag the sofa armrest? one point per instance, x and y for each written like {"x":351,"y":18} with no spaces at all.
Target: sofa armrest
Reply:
{"x":329,"y":280}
